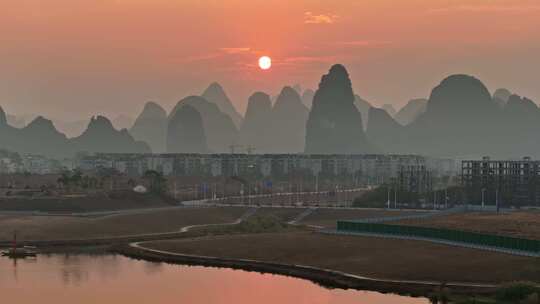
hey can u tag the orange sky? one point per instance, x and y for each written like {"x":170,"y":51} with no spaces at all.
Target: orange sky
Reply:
{"x":65,"y":57}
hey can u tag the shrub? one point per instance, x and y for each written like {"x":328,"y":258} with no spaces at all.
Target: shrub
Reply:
{"x":532,"y":299}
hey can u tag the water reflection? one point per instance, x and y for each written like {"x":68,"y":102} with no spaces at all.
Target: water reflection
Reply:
{"x":115,"y":279}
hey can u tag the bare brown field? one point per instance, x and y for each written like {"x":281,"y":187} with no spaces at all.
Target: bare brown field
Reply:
{"x":68,"y":227}
{"x":524,"y":224}
{"x":328,"y":217}
{"x":118,"y":200}
{"x":281,"y":214}
{"x":374,"y":257}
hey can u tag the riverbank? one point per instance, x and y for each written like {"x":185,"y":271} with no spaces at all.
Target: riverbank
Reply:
{"x":365,"y":256}
{"x":265,"y":243}
{"x":326,"y":277}
{"x":390,"y":266}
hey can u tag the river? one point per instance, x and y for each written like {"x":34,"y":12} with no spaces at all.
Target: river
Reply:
{"x":85,"y":279}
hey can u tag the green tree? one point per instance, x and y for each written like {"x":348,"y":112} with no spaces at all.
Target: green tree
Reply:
{"x":157,"y":182}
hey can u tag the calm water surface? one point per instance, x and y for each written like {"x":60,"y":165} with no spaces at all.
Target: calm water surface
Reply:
{"x":68,"y":279}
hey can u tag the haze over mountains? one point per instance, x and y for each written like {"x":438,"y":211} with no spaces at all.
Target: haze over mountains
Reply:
{"x":219,"y":128}
{"x":459,"y":119}
{"x":216,"y":95}
{"x":151,"y":127}
{"x":411,"y":111}
{"x":335,"y":124}
{"x":185,"y":131}
{"x":255,"y":130}
{"x":288,"y":120}
{"x":41,"y":137}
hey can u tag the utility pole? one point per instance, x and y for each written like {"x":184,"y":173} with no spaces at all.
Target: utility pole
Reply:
{"x":249,"y":194}
{"x":497,"y":199}
{"x":290,"y":192}
{"x":483,"y":191}
{"x":445,"y":198}
{"x":204,"y":191}
{"x":242,"y":193}
{"x":298,"y":190}
{"x":388,"y":201}
{"x":395,"y":198}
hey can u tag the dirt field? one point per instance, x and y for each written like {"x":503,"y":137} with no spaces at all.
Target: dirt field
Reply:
{"x":282,"y":214}
{"x":380,"y":258}
{"x":66,"y":227}
{"x":328,"y":217}
{"x":102,"y":202}
{"x":525,"y":224}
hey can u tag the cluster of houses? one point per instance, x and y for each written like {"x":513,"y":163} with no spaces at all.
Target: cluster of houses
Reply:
{"x":12,"y":163}
{"x":363,"y":169}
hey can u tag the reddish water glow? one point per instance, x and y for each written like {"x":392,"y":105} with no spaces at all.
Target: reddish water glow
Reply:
{"x":115,"y":279}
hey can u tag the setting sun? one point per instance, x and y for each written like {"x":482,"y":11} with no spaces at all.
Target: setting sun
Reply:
{"x":265,"y":62}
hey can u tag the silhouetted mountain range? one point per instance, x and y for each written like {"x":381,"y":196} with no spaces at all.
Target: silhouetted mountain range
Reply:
{"x":219,"y":128}
{"x":335,"y":124}
{"x":3,"y":117}
{"x":256,"y":128}
{"x":383,"y":131}
{"x":288,"y":121}
{"x":463,"y":120}
{"x":216,"y":95}
{"x":101,"y":136}
{"x":501,"y":96}
{"x":185,"y":130}
{"x":460,"y":119}
{"x":363,"y":106}
{"x":307,"y":97}
{"x":41,"y":137}
{"x":411,"y":111}
{"x":151,"y":127}
{"x":389,"y":109}
{"x":15,"y":121}
{"x":122,"y":122}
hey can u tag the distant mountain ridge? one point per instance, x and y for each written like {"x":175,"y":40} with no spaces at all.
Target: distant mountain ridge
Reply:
{"x":41,"y":137}
{"x":288,"y":121}
{"x":411,"y":111}
{"x":256,"y":127}
{"x":101,"y":136}
{"x":335,"y":124}
{"x":216,"y":95}
{"x":461,"y":118}
{"x":185,"y":131}
{"x":151,"y":127}
{"x":219,"y":127}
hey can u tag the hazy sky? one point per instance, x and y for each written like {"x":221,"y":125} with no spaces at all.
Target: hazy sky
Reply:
{"x":80,"y":57}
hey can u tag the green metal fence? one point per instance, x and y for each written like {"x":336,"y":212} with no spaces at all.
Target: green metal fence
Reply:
{"x":442,"y":234}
